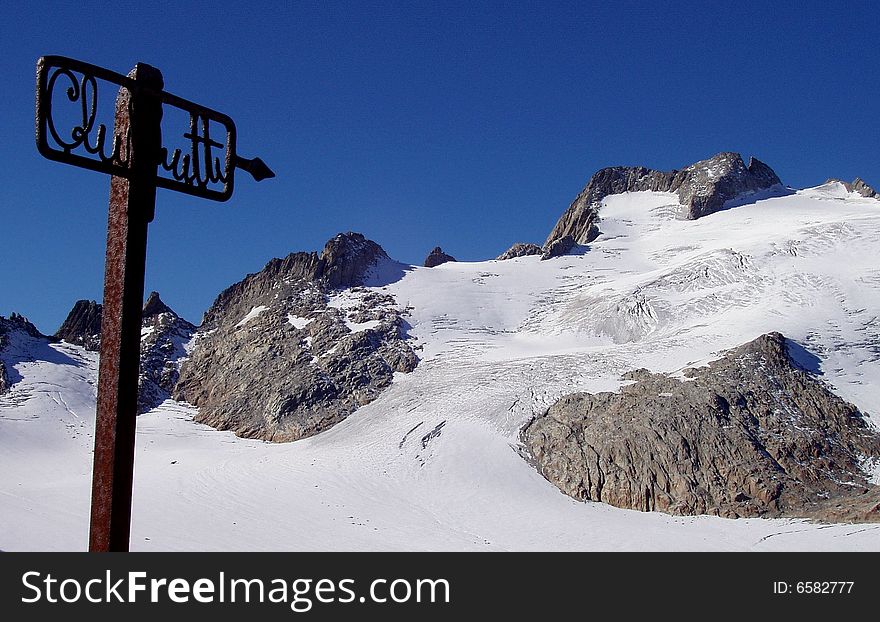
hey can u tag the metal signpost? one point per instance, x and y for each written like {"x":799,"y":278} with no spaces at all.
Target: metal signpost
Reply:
{"x":134,"y":157}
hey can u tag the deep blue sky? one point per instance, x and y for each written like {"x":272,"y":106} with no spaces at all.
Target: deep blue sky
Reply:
{"x":467,"y":125}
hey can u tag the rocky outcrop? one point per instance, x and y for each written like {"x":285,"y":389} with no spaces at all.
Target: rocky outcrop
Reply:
{"x":83,"y":325}
{"x":437,"y":257}
{"x":708,"y":185}
{"x":519,"y":250}
{"x":558,"y":247}
{"x":858,"y":185}
{"x":580,"y":219}
{"x":297,"y":347}
{"x":15,"y":323}
{"x":752,"y":434}
{"x":344,"y":262}
{"x":703,"y":188}
{"x":346,"y":259}
{"x":164,"y":339}
{"x":18,"y":322}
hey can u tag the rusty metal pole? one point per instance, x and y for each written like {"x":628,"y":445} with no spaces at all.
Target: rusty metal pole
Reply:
{"x":132,"y":207}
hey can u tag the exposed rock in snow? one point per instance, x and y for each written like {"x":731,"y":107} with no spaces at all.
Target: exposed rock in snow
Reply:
{"x":559,"y":247}
{"x":504,"y":341}
{"x":8,"y":327}
{"x":519,"y":250}
{"x":703,"y":188}
{"x":752,"y":434}
{"x":707,"y":186}
{"x":17,"y":322}
{"x":437,"y":257}
{"x":311,"y":349}
{"x":164,"y":336}
{"x":154,"y":306}
{"x":347,"y":258}
{"x":858,"y":186}
{"x":83,"y":325}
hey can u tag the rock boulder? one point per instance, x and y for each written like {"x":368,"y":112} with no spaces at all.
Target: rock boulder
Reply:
{"x":437,"y":257}
{"x":519,"y":250}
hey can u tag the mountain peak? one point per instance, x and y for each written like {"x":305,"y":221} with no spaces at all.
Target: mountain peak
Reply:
{"x":278,"y":360}
{"x":859,"y":185}
{"x":82,"y":325}
{"x":347,"y":257}
{"x":155,"y":306}
{"x":437,"y":257}
{"x":17,"y":321}
{"x":703,"y":188}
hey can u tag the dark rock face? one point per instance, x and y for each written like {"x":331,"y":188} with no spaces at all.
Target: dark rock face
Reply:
{"x":19,"y":322}
{"x":346,"y":259}
{"x":558,"y":247}
{"x":858,"y":185}
{"x":297,"y":347}
{"x":579,"y":221}
{"x":752,"y":434}
{"x":706,"y":186}
{"x":15,"y":323}
{"x":520,"y":250}
{"x":154,"y":306}
{"x":703,"y":188}
{"x":164,"y":337}
{"x":83,"y":325}
{"x":437,"y":257}
{"x":344,"y":262}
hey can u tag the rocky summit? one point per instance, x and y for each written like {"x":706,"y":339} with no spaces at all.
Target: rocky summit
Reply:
{"x":15,"y":323}
{"x":164,"y":340}
{"x":437,"y":257}
{"x":83,"y":325}
{"x":703,"y":188}
{"x":859,"y":186}
{"x":164,"y":336}
{"x":297,"y":347}
{"x":752,"y":434}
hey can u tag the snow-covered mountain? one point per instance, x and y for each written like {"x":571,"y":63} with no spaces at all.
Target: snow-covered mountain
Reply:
{"x":164,"y":340}
{"x":292,"y":350}
{"x":435,"y":460}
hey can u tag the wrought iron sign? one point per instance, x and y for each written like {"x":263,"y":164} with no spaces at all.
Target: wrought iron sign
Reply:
{"x":68,"y":130}
{"x":204,"y":166}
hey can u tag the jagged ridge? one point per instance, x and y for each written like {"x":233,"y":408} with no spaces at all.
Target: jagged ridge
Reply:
{"x":163,"y":338}
{"x":15,"y":322}
{"x":295,"y":348}
{"x":82,"y":326}
{"x":703,"y":188}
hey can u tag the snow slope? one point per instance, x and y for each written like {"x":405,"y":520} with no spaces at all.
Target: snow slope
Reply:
{"x":433,"y":463}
